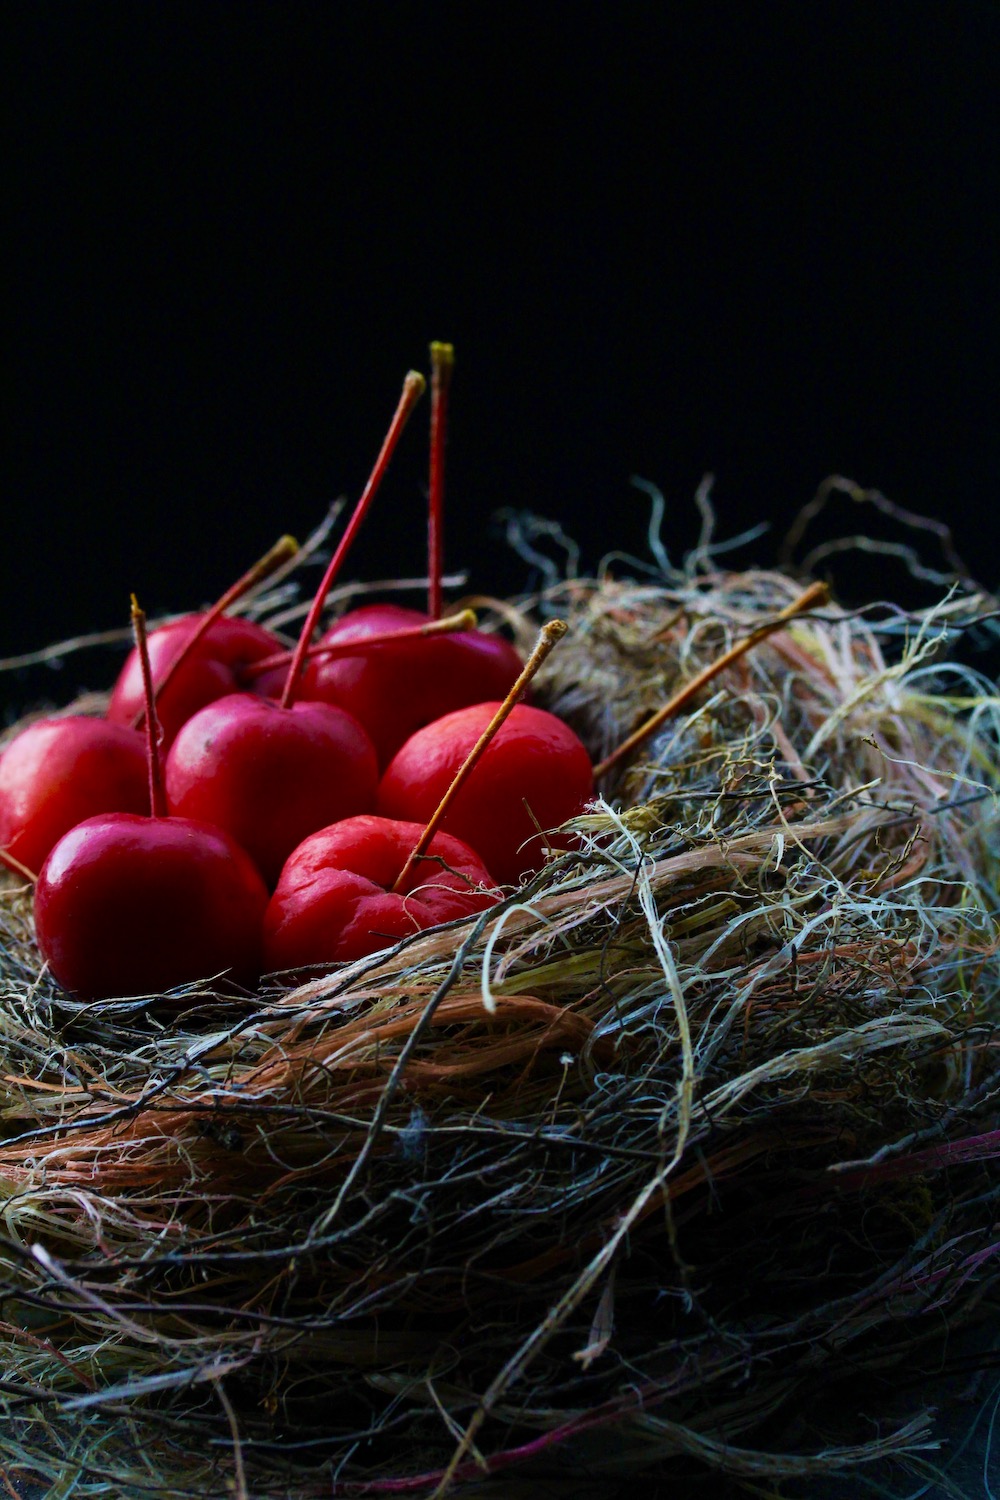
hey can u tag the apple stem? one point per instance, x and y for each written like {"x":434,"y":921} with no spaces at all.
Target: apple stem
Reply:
{"x":157,"y":794}
{"x":283,"y":550}
{"x":413,"y":388}
{"x":442,"y":365}
{"x":550,"y":635}
{"x":464,"y":620}
{"x":15,"y":864}
{"x":815,"y":594}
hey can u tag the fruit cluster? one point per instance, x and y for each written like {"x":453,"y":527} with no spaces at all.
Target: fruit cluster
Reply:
{"x":298,"y":816}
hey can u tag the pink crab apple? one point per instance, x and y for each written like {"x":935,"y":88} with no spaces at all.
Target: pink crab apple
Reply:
{"x":126,"y":904}
{"x":57,"y":772}
{"x":335,"y":900}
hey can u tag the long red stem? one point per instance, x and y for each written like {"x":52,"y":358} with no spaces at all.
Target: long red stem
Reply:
{"x":413,"y":388}
{"x":442,"y":364}
{"x":464,"y":620}
{"x":157,"y":794}
{"x":551,"y":634}
{"x":283,"y":550}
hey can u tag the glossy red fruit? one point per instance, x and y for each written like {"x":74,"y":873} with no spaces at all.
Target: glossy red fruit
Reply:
{"x":535,"y":762}
{"x":57,"y":772}
{"x":270,"y":775}
{"x":214,"y":669}
{"x":130,"y":905}
{"x":396,"y":688}
{"x":334,"y":900}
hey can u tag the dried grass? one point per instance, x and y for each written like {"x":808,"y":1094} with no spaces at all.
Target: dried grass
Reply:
{"x":641,"y":1166}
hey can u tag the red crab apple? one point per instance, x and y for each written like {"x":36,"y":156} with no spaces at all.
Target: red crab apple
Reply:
{"x":335,"y":899}
{"x":533,"y":774}
{"x":57,"y":772}
{"x":202,"y":656}
{"x":217,"y":666}
{"x":396,"y":688}
{"x":126,"y":904}
{"x":129,"y":905}
{"x":270,"y":775}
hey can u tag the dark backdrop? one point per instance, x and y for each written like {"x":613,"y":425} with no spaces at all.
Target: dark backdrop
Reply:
{"x":753,"y":238}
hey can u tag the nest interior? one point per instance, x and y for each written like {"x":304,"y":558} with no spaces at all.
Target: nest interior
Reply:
{"x":640,"y":1169}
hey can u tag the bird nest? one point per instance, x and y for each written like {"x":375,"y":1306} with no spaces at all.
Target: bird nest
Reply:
{"x":632,"y":1173}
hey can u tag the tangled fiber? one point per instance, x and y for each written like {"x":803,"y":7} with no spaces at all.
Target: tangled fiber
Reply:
{"x":640,"y":1169}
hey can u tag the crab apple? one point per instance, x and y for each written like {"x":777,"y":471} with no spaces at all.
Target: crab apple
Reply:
{"x":399,"y":686}
{"x":335,"y":899}
{"x":57,"y":772}
{"x":534,"y":773}
{"x":270,"y":775}
{"x":129,"y":905}
{"x":216,"y":667}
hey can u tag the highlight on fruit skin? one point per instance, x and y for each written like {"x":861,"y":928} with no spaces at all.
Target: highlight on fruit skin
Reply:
{"x":534,"y":775}
{"x":334,"y":900}
{"x":129,"y":905}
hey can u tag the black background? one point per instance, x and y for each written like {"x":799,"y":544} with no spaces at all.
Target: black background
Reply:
{"x":754,"y":239}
